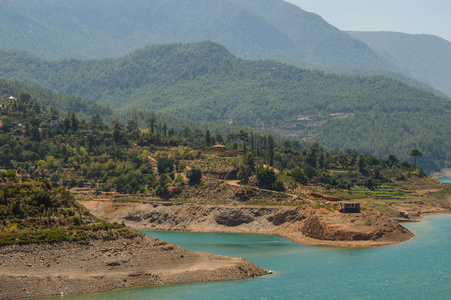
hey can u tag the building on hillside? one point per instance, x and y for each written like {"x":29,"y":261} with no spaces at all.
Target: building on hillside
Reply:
{"x":219,"y":147}
{"x":56,"y":122}
{"x":349,"y":207}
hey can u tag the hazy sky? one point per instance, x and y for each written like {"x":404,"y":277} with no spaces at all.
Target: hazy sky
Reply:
{"x":409,"y":16}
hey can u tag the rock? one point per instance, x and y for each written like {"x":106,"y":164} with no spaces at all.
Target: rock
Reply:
{"x":233,"y":218}
{"x":286,"y":216}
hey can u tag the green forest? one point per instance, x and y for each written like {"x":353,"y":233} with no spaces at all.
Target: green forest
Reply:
{"x":205,"y":82}
{"x":38,"y":143}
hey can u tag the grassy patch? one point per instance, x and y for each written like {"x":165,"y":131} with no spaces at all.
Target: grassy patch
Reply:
{"x":385,"y":192}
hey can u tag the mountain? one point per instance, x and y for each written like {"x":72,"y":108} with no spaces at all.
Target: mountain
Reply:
{"x":205,"y":82}
{"x":249,"y":28}
{"x":358,"y":72}
{"x":424,"y":57}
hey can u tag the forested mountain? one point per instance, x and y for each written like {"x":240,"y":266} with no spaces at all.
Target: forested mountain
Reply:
{"x":424,"y":57}
{"x":85,"y":109}
{"x":203,"y":81}
{"x":358,"y":72}
{"x":249,"y":28}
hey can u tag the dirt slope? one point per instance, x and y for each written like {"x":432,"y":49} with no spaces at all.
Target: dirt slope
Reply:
{"x":301,"y":224}
{"x":77,"y":268}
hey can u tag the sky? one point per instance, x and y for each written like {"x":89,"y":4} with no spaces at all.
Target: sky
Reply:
{"x":408,"y":16}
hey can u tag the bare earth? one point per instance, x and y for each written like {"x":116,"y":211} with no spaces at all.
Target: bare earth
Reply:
{"x":368,"y":229}
{"x":77,"y":268}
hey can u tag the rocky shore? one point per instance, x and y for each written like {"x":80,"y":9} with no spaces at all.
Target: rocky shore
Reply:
{"x":302,"y":225}
{"x":97,"y":266}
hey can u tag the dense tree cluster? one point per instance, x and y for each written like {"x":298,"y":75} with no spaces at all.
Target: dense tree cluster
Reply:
{"x":116,"y":157}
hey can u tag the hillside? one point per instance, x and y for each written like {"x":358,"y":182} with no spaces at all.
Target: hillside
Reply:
{"x":61,"y":102}
{"x":358,"y":72}
{"x":51,"y":245}
{"x":249,"y":28}
{"x":165,"y":179}
{"x":424,"y":57}
{"x":205,"y":82}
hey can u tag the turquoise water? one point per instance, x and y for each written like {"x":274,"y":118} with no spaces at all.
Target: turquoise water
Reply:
{"x":417,"y":269}
{"x":445,"y":180}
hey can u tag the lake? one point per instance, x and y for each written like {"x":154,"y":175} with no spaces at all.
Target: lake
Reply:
{"x":445,"y":180}
{"x":417,"y":269}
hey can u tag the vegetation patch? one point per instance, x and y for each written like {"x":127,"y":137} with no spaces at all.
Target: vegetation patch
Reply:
{"x":35,"y":212}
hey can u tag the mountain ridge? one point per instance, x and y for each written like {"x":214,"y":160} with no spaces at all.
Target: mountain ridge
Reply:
{"x":249,"y":28}
{"x":421,"y":56}
{"x":205,"y":82}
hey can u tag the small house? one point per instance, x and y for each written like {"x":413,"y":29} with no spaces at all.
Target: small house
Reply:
{"x":349,"y":207}
{"x":219,"y":147}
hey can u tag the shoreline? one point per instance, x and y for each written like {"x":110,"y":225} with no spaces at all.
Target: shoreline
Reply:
{"x":102,"y":266}
{"x":362,"y":244}
{"x":304,"y":240}
{"x":282,"y":221}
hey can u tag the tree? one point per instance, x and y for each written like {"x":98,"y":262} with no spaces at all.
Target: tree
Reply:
{"x":151,"y":123}
{"x":244,"y":137}
{"x":298,"y":175}
{"x":165,"y":165}
{"x":186,"y":131}
{"x":194,"y":175}
{"x":208,"y":138}
{"x":96,"y":122}
{"x":415,"y":153}
{"x":271,"y":145}
{"x":362,"y":165}
{"x":162,"y":186}
{"x":266,"y":177}
{"x":74,"y":122}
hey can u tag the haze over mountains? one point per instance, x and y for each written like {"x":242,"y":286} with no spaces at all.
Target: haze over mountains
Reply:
{"x":248,"y":28}
{"x":424,"y":57}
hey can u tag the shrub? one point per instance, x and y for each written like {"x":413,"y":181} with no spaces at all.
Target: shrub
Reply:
{"x":266,"y":177}
{"x":298,"y":175}
{"x":76,"y":220}
{"x":194,"y":175}
{"x":165,"y":165}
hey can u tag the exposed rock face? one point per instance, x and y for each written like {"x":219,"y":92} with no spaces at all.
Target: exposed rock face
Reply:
{"x":286,"y":216}
{"x":355,"y":227}
{"x":317,"y":229}
{"x":185,"y":216}
{"x":233,"y":218}
{"x":368,"y":228}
